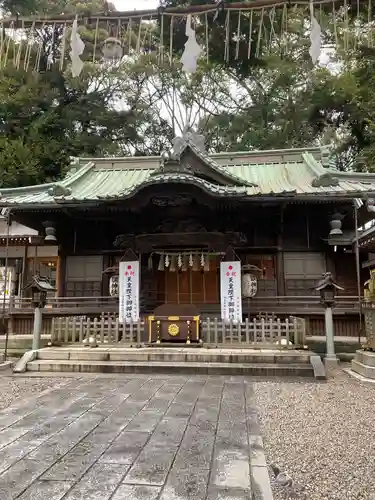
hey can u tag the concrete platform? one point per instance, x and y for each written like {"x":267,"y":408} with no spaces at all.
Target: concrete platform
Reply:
{"x":228,"y":361}
{"x":364,"y":364}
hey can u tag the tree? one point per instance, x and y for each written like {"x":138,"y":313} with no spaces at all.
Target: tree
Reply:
{"x":47,"y":117}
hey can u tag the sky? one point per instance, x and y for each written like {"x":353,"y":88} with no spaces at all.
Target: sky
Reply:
{"x":124,"y":5}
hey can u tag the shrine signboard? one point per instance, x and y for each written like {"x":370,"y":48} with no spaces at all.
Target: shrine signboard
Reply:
{"x":129,"y":292}
{"x":230,"y":291}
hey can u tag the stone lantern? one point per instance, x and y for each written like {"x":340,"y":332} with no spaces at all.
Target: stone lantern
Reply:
{"x":327,"y":287}
{"x":39,"y":286}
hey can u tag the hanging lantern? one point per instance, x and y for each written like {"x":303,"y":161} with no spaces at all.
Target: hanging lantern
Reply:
{"x":172,"y":266}
{"x":161,"y":264}
{"x":112,"y":49}
{"x":113,"y":286}
{"x":167,"y":261}
{"x":249,"y":285}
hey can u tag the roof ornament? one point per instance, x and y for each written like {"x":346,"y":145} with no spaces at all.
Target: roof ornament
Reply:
{"x":189,"y":136}
{"x":58,"y":190}
{"x":327,"y":157}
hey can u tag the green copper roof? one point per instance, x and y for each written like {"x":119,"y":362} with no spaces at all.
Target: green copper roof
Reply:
{"x":284,"y":173}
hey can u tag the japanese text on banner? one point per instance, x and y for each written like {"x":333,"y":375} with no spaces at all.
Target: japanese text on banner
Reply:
{"x":129,"y":292}
{"x":230,"y":291}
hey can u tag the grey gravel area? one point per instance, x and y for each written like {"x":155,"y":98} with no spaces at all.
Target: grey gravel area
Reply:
{"x":15,"y":388}
{"x":322,"y":435}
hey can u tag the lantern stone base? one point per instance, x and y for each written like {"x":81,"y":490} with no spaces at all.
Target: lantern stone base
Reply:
{"x":331,"y":360}
{"x":364,"y":364}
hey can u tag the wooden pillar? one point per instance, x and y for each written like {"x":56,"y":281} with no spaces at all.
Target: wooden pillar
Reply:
{"x":280,"y":276}
{"x":23,"y":280}
{"x":104,"y":286}
{"x":60,"y":274}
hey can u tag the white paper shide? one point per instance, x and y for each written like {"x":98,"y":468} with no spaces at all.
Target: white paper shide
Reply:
{"x":192,"y":50}
{"x":230,"y":291}
{"x":77,"y":47}
{"x":129,"y":292}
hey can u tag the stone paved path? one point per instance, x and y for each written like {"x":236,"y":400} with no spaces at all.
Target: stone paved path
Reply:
{"x":133,"y":438}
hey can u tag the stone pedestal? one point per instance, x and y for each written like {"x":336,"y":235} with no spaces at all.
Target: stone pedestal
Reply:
{"x":331,"y":361}
{"x":364,"y":364}
{"x":330,"y":358}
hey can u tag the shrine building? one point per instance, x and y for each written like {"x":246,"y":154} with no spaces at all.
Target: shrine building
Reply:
{"x":287,"y":216}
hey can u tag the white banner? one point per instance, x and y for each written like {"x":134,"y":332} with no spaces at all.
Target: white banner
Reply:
{"x":230,"y":291}
{"x":129,"y":292}
{"x":6,"y":292}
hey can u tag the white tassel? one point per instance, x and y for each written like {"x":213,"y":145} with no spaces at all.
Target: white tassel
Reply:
{"x":179,"y":261}
{"x":202,"y":260}
{"x":192,"y":50}
{"x":315,"y":37}
{"x":77,"y":48}
{"x":191,"y":261}
{"x":167,"y":261}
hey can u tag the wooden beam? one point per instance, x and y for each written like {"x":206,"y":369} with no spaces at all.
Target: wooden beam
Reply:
{"x":149,"y":14}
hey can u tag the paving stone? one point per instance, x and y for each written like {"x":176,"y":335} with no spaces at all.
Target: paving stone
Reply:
{"x":126,"y":447}
{"x":136,"y":492}
{"x":197,"y":445}
{"x":186,"y":484}
{"x":231,"y":467}
{"x":46,"y":490}
{"x":153,"y":463}
{"x":134,"y":438}
{"x":146,"y":421}
{"x":159,"y":403}
{"x":18,"y":477}
{"x":180,"y":410}
{"x":59,"y":444}
{"x":257,"y":457}
{"x":190,"y":392}
{"x":76,"y":462}
{"x":216,"y":493}
{"x":99,"y":483}
{"x":14,"y":452}
{"x":7,"y":436}
{"x":261,"y":486}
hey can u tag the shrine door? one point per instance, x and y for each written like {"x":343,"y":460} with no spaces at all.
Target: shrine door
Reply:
{"x":189,"y":287}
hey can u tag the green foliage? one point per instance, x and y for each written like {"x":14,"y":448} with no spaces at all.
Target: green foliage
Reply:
{"x":277,"y":101}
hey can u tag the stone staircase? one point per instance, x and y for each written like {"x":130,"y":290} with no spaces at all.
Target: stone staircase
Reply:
{"x":177,"y":360}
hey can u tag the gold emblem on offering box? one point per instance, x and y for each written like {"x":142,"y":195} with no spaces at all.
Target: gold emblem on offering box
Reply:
{"x":173,"y":329}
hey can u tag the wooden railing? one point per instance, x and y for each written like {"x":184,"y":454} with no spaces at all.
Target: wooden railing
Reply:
{"x":291,"y":304}
{"x":288,"y":333}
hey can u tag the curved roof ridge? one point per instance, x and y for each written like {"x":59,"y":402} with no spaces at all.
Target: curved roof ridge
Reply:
{"x":219,"y":168}
{"x":66,"y":181}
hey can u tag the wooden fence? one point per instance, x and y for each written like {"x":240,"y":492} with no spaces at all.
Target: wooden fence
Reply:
{"x":287,"y":333}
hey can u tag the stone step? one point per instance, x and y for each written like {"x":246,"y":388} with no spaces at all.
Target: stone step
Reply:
{"x":255,"y":369}
{"x":181,"y":355}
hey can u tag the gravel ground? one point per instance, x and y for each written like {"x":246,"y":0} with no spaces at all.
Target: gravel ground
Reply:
{"x":322,"y":435}
{"x":14,"y":388}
